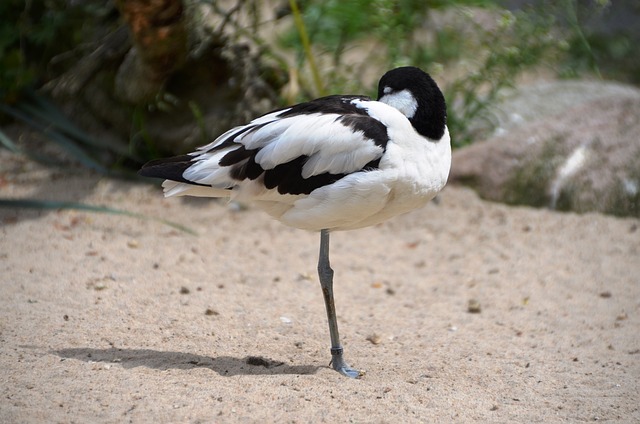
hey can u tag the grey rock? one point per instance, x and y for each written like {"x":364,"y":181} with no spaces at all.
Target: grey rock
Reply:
{"x":572,"y":146}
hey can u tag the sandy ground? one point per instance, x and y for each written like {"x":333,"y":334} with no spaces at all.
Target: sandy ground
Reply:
{"x":113,"y":319}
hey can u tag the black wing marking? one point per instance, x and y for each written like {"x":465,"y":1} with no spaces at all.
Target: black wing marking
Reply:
{"x":285,"y":177}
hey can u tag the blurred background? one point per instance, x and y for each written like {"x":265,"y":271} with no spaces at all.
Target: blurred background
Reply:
{"x":108,"y":85}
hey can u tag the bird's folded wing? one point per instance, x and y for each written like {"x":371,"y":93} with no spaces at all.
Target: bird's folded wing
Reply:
{"x":295,"y":150}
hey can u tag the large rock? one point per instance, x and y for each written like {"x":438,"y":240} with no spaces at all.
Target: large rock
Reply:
{"x":565,"y":145}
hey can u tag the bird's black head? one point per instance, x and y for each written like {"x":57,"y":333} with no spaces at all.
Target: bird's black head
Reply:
{"x":417,"y":96}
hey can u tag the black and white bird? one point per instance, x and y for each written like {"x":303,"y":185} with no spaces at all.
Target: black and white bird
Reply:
{"x":339,"y":162}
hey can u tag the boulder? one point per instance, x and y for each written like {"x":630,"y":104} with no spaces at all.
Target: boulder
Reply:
{"x":571,"y":146}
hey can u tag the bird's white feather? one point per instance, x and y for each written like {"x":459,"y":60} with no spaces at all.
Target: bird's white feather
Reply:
{"x":410,"y":170}
{"x":329,"y":145}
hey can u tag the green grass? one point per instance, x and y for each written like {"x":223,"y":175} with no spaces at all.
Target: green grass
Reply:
{"x":485,"y":46}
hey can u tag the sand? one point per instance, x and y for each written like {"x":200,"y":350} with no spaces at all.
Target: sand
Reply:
{"x":463,"y":311}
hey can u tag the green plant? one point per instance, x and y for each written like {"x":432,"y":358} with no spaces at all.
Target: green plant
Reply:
{"x":334,"y":25}
{"x":518,"y":42}
{"x":610,"y":51}
{"x":33,"y":33}
{"x":37,"y":38}
{"x":43,"y":116}
{"x":483,"y":46}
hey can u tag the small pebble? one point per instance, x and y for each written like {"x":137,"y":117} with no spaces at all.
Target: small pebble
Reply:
{"x":375,"y":339}
{"x":286,"y":320}
{"x":474,"y":306}
{"x":622,"y":316}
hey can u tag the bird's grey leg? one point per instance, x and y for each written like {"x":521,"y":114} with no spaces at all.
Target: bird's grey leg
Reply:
{"x":326,"y":282}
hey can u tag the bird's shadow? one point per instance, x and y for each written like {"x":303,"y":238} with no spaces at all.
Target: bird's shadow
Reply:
{"x":226,"y":366}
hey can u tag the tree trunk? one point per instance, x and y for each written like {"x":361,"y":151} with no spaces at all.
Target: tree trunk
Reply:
{"x":159,"y":38}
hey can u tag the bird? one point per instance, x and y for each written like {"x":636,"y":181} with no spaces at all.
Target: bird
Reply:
{"x":339,"y":162}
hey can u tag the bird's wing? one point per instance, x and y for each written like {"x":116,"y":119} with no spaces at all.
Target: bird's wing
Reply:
{"x":293,"y":150}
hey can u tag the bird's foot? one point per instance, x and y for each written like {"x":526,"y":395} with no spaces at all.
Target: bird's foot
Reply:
{"x":338,"y":363}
